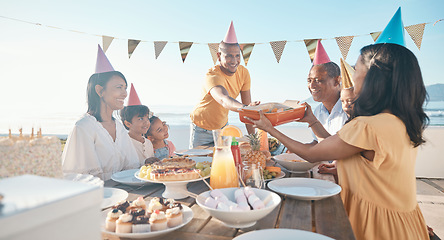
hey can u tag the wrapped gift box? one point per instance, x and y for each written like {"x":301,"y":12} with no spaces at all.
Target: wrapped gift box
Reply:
{"x":37,"y":207}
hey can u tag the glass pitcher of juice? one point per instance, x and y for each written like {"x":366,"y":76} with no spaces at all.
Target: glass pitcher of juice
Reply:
{"x":223,"y":171}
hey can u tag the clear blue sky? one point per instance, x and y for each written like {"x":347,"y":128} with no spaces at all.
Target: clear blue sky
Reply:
{"x":46,"y":70}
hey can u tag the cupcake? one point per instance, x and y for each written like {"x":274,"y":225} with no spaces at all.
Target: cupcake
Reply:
{"x":158,"y":221}
{"x":155,"y":204}
{"x":122,"y":206}
{"x":124,"y":224}
{"x":139,"y":203}
{"x":111,"y":218}
{"x":141,"y":224}
{"x":137,"y":212}
{"x":174,"y":217}
{"x":171,"y":203}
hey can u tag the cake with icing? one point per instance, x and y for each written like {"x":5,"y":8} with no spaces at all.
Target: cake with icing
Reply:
{"x":30,"y":155}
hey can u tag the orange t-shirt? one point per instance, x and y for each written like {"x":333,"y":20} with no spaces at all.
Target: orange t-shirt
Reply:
{"x":208,"y":113}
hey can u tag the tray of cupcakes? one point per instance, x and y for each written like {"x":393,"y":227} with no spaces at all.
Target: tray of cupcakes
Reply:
{"x":145,"y":219}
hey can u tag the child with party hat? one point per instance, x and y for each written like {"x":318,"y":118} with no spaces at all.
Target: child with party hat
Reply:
{"x":98,"y":144}
{"x":136,"y":119}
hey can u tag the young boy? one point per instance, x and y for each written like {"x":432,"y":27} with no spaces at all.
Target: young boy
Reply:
{"x":135,"y":118}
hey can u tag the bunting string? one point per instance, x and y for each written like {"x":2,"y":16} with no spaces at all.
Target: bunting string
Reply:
{"x":415,"y":31}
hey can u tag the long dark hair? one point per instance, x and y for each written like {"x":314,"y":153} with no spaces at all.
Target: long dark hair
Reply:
{"x":393,"y":82}
{"x":93,"y":98}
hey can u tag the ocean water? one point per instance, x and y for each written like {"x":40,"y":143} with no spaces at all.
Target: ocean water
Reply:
{"x":61,"y":123}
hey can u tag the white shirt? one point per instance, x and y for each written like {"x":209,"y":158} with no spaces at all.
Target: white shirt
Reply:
{"x":144,"y":150}
{"x":333,"y":121}
{"x":90,"y":149}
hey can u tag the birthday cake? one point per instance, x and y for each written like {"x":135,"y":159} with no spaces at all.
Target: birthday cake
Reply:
{"x":39,"y":155}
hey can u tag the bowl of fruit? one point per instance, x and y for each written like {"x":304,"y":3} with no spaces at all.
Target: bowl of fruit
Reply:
{"x":293,"y":163}
{"x":272,"y":172}
{"x":238,"y":207}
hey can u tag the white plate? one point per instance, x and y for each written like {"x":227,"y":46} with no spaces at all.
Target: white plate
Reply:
{"x":113,"y":195}
{"x":194,"y":152}
{"x":305,"y":188}
{"x":281,"y":234}
{"x":202,"y":159}
{"x":127,"y":177}
{"x":187,"y":216}
{"x":85,"y":178}
{"x":281,"y":175}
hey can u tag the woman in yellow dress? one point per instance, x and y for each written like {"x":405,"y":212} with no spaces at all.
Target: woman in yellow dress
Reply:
{"x":377,"y":148}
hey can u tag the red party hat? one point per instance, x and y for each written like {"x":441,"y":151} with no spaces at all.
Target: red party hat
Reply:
{"x":321,"y":56}
{"x":133,"y":98}
{"x":230,"y":37}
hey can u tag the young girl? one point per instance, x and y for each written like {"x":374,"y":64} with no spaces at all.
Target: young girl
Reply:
{"x":158,"y":133}
{"x":136,"y":121}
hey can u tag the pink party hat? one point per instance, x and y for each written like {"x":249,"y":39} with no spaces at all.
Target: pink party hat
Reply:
{"x":133,"y":98}
{"x":102,"y":63}
{"x":321,"y":56}
{"x":231,"y":35}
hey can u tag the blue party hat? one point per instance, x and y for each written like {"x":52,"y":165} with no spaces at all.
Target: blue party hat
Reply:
{"x":394,"y":31}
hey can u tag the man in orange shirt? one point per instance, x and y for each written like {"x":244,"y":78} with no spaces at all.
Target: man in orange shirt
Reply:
{"x":224,"y":82}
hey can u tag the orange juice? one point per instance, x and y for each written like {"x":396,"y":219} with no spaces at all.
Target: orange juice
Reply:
{"x":223,"y":171}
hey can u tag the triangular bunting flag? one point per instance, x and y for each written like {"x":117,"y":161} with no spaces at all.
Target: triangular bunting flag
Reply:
{"x":278,"y":49}
{"x":416,"y":32}
{"x":375,"y":35}
{"x":132,"y":44}
{"x":311,"y":47}
{"x":158,"y":47}
{"x":246,"y":49}
{"x":184,"y":49}
{"x":214,"y":47}
{"x":106,"y":41}
{"x":344,"y":44}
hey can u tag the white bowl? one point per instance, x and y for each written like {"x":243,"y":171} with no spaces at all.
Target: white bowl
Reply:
{"x":287,"y":161}
{"x":240,"y":219}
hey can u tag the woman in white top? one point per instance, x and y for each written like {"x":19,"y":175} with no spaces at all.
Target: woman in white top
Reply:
{"x":99,"y":145}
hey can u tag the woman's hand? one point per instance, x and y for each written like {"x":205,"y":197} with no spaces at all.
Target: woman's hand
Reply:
{"x":309,"y":117}
{"x":263,"y":122}
{"x":328,"y":168}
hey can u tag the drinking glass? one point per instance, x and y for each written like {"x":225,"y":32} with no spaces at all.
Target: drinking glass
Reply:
{"x":252,"y":175}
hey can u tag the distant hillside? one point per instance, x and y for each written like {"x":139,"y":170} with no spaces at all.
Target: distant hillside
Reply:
{"x":436,"y":92}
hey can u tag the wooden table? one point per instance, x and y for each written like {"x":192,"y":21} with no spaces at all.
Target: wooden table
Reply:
{"x":326,"y":216}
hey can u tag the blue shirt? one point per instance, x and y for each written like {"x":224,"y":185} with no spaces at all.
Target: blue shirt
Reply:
{"x":333,"y":121}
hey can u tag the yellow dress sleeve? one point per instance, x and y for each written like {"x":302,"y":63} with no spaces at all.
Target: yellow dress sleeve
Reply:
{"x":360,"y":133}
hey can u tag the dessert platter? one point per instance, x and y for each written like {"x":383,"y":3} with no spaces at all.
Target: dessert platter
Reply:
{"x":305,"y":188}
{"x":281,"y":234}
{"x":145,"y":219}
{"x":175,"y":173}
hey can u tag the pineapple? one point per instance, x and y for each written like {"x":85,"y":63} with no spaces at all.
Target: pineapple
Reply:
{"x":255,"y":155}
